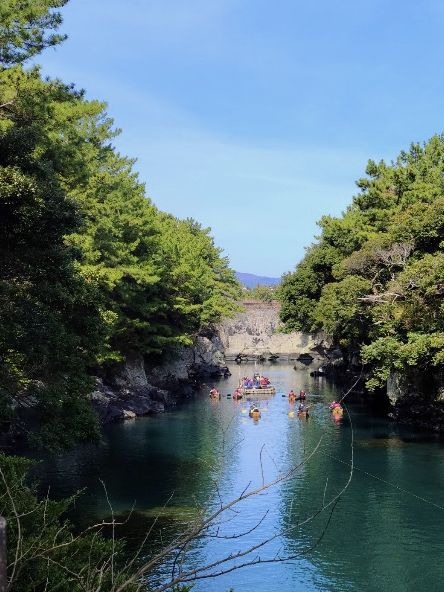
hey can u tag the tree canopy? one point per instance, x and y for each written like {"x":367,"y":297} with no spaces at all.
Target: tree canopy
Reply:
{"x":27,"y":27}
{"x":374,"y":278}
{"x":90,"y":269}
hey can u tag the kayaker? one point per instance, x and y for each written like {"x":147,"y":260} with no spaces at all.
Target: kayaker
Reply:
{"x":302,"y":395}
{"x":303,"y":409}
{"x":254,"y":412}
{"x":237,"y":394}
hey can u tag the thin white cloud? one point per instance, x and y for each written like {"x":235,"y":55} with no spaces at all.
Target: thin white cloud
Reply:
{"x":244,"y":192}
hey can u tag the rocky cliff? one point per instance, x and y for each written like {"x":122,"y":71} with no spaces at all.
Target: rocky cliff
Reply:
{"x":417,"y":400}
{"x":128,"y":394}
{"x":254,"y":334}
{"x":138,"y":388}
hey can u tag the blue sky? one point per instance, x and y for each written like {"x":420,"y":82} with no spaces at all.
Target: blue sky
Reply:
{"x":256,"y":117}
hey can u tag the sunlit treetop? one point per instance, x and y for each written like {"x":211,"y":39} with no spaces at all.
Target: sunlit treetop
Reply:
{"x":27,"y":27}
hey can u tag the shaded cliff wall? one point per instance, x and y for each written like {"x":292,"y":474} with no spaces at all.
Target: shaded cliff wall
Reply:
{"x":418,"y":399}
{"x":255,"y":332}
{"x":135,"y":388}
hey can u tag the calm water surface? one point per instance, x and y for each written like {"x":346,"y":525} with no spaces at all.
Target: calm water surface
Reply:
{"x":385,"y":534}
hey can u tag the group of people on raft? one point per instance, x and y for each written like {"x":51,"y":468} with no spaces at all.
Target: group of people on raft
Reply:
{"x":257,"y":382}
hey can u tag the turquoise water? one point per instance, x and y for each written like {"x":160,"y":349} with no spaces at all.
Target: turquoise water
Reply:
{"x":385,"y":533}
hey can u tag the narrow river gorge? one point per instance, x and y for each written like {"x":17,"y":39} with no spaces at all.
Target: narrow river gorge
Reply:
{"x":385,"y":533}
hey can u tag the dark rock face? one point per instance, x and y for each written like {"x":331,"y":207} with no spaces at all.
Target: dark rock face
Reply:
{"x":138,"y":390}
{"x":187,"y":367}
{"x":419,"y":412}
{"x":417,"y":400}
{"x":127,"y":402}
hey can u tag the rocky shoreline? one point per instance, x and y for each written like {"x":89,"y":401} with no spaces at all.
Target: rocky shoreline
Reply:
{"x":417,"y":402}
{"x":138,"y":389}
{"x":404,"y":401}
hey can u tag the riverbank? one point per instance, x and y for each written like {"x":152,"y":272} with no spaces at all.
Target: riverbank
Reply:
{"x":138,"y":388}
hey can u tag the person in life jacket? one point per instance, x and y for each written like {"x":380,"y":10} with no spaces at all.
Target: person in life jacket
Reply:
{"x":254,"y":412}
{"x":302,"y":409}
{"x":302,"y":394}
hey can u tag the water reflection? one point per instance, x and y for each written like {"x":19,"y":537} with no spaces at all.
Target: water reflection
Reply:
{"x":379,"y":536}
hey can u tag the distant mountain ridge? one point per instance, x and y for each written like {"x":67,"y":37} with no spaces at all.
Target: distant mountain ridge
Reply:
{"x":249,"y":280}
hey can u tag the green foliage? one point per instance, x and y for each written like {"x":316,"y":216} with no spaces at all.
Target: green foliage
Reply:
{"x":263,"y":293}
{"x":90,"y":270}
{"x":50,"y":317}
{"x":24,"y":26}
{"x":340,"y":311}
{"x":161,"y":279}
{"x":119,"y":246}
{"x":387,"y":354}
{"x":381,"y":284}
{"x":200,"y":287}
{"x":301,"y":290}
